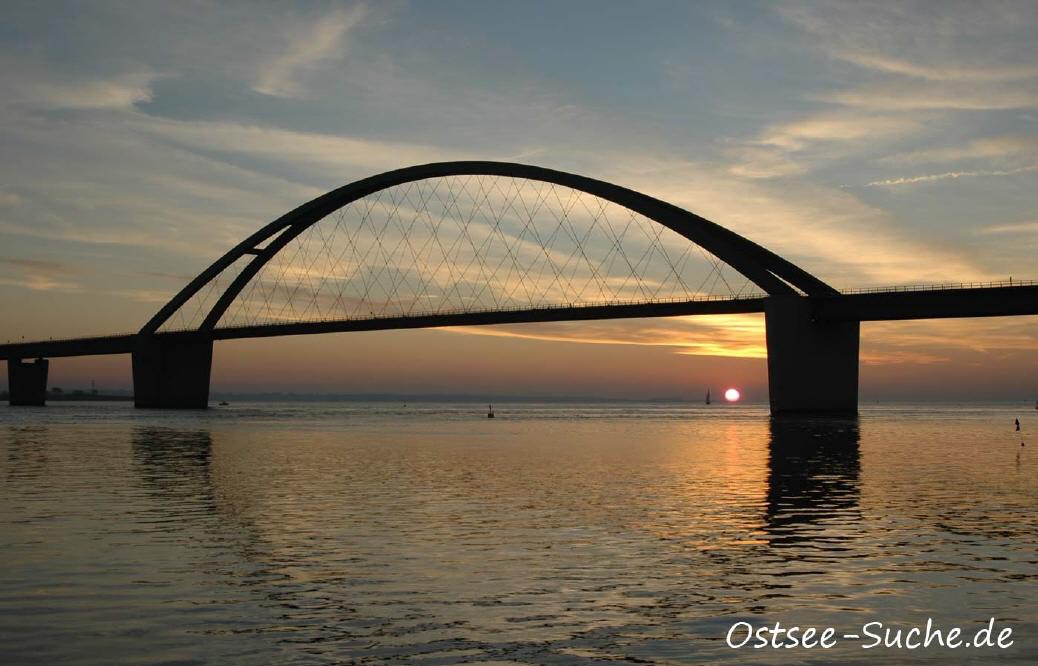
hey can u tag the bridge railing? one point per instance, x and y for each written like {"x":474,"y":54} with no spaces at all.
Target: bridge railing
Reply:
{"x":72,"y":338}
{"x":943,"y":286}
{"x":708,"y":298}
{"x":562,"y":306}
{"x":453,"y":312}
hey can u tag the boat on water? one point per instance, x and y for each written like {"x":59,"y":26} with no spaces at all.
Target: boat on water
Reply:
{"x":708,"y":397}
{"x":490,"y":411}
{"x":224,"y":403}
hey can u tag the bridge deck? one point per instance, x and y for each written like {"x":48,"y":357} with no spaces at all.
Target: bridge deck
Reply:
{"x":95,"y":346}
{"x":124,"y":344}
{"x":989,"y":301}
{"x":998,"y":299}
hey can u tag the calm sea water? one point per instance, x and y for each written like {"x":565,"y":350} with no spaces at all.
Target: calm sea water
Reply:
{"x":429,"y":534}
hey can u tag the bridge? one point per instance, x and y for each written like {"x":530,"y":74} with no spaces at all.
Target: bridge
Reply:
{"x":479,"y":243}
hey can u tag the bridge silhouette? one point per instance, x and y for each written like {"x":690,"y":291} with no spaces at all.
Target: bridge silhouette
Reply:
{"x":479,"y":243}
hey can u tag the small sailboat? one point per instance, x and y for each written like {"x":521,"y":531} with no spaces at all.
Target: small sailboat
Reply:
{"x":708,"y":396}
{"x":490,"y":411}
{"x":224,"y":403}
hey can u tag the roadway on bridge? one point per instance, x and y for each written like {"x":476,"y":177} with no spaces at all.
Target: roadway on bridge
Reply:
{"x":889,"y":304}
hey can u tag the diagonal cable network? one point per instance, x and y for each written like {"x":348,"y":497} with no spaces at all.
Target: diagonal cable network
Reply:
{"x":465,"y":244}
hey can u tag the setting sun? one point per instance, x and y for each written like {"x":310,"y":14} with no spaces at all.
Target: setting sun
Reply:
{"x":732,"y":395}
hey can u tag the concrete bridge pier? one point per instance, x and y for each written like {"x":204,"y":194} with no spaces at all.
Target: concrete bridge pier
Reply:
{"x":27,"y":382}
{"x":172,"y":372}
{"x":812,"y":365}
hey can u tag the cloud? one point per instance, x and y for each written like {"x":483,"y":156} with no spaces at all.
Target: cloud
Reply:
{"x":799,"y":146}
{"x":926,"y":56}
{"x":73,"y":234}
{"x":313,"y":44}
{"x":1017,"y":228}
{"x":144,"y":295}
{"x":830,"y":233}
{"x":869,"y":356}
{"x":41,"y":283}
{"x":957,"y":41}
{"x":289,"y":146}
{"x":919,"y":66}
{"x":38,"y":266}
{"x":996,"y":147}
{"x":732,"y":336}
{"x":9,"y":199}
{"x":799,"y":134}
{"x":939,"y":72}
{"x":37,"y":90}
{"x":916,"y":96}
{"x":950,"y":338}
{"x":39,"y":275}
{"x":114,"y":179}
{"x":757,"y":161}
{"x":930,"y":178}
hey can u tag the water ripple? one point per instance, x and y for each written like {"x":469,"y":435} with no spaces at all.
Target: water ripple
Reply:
{"x":553,"y":535}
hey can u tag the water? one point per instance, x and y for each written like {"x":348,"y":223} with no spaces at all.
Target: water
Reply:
{"x":429,"y":534}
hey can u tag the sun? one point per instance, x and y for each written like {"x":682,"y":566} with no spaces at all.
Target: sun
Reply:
{"x":732,"y":395}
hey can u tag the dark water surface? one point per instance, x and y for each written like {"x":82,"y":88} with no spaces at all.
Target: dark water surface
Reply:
{"x":428,"y":534}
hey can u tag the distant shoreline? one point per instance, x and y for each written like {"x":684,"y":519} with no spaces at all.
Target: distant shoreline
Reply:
{"x":216,"y":397}
{"x":79,"y":397}
{"x":87,"y":397}
{"x":417,"y":397}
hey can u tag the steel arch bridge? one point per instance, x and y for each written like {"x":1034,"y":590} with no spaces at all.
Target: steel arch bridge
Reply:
{"x":455,"y":216}
{"x":476,"y":242}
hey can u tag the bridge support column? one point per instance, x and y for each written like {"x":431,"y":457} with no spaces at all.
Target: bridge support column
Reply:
{"x":27,"y":382}
{"x":172,"y":372}
{"x":812,"y":365}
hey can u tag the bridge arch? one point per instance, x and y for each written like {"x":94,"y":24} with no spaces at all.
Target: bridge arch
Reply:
{"x":768,"y":271}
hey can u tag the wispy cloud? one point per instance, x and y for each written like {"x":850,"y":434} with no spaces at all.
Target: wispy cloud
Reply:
{"x":987,"y":148}
{"x":953,"y":56}
{"x":38,"y":265}
{"x":928,"y":96}
{"x":288,"y":146}
{"x":801,"y":145}
{"x":42,"y":283}
{"x":159,"y":296}
{"x":39,"y":274}
{"x":869,"y":356}
{"x":37,"y":90}
{"x":113,"y":236}
{"x":731,"y":336}
{"x":800,"y":134}
{"x":950,"y":175}
{"x":313,"y":44}
{"x":1017,"y":228}
{"x":830,"y":233}
{"x":950,"y":338}
{"x":9,"y":198}
{"x":949,"y":41}
{"x":939,"y":71}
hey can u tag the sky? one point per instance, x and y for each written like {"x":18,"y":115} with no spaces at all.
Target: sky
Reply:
{"x":870,"y":143}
